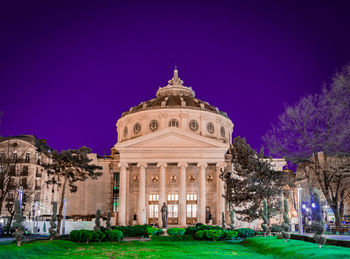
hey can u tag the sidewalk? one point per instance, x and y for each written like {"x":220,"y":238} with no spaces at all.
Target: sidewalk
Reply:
{"x":9,"y":240}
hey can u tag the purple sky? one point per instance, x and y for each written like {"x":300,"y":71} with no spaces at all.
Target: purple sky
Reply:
{"x":69,"y":70}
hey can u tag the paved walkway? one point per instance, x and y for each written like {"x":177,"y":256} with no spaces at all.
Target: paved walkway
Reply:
{"x":9,"y":240}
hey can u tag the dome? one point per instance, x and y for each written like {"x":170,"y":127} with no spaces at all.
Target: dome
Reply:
{"x":175,"y":95}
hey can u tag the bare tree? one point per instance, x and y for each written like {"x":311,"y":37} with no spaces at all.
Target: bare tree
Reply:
{"x":315,"y":134}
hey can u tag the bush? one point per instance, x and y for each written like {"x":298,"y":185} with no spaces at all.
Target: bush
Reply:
{"x":176,"y":231}
{"x":173,"y":238}
{"x":113,"y":235}
{"x":191,"y":231}
{"x":152,"y":231}
{"x":230,"y":234}
{"x":133,"y":231}
{"x":200,"y":234}
{"x":98,"y":236}
{"x":276,"y":229}
{"x":245,"y":232}
{"x":214,"y":235}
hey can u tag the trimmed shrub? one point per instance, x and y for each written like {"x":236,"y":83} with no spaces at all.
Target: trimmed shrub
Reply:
{"x":245,"y":232}
{"x":276,"y":229}
{"x":173,"y":238}
{"x":113,"y":235}
{"x":214,"y":234}
{"x":230,"y":234}
{"x":132,"y":231}
{"x":176,"y":231}
{"x":191,"y":231}
{"x":152,"y":231}
{"x":200,"y":234}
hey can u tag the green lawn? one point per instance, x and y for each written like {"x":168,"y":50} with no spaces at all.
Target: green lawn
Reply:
{"x":258,"y":247}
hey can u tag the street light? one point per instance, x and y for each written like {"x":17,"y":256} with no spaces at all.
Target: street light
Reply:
{"x":64,"y":215}
{"x":20,"y":191}
{"x":299,"y":211}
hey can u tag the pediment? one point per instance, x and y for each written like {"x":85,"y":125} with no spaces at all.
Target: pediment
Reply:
{"x":172,"y":138}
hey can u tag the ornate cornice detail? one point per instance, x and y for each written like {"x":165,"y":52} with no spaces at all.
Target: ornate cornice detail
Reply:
{"x":175,"y":87}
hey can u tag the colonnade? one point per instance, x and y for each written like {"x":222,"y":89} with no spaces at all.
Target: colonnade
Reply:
{"x":141,"y":210}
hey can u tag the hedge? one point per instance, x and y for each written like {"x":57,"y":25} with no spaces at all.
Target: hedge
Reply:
{"x":245,"y":232}
{"x":95,"y":236}
{"x":176,"y":231}
{"x":230,"y":234}
{"x":152,"y":231}
{"x":173,"y":238}
{"x":133,"y":231}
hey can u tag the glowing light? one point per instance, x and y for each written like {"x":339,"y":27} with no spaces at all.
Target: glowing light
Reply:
{"x":313,"y":205}
{"x":304,"y":206}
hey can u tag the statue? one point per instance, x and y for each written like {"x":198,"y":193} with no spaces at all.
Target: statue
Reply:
{"x":164,"y":211}
{"x":223,"y":220}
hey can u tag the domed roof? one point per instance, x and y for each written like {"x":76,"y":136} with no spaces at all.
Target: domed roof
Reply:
{"x":175,"y":95}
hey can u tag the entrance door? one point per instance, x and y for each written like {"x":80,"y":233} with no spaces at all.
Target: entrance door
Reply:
{"x":173,"y":209}
{"x":153,"y":208}
{"x":191,"y":208}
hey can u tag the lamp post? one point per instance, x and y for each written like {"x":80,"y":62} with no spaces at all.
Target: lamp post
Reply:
{"x":20,"y":191}
{"x":299,"y":211}
{"x":64,"y":215}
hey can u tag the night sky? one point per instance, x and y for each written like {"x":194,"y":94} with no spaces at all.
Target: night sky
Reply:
{"x":68,"y":69}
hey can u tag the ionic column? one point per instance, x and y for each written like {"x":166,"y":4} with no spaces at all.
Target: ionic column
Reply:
{"x":142,"y":194}
{"x":182,"y":193}
{"x":202,"y":191}
{"x":122,"y":194}
{"x":162,"y":197}
{"x":220,"y":201}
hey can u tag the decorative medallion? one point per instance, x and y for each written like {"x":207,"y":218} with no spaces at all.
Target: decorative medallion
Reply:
{"x":173,"y":178}
{"x":192,"y":178}
{"x":193,"y":125}
{"x":210,"y":128}
{"x":210,"y":178}
{"x":136,"y":178}
{"x":155,"y":179}
{"x":153,"y":125}
{"x":137,"y":128}
{"x":125,"y":131}
{"x":222,"y":131}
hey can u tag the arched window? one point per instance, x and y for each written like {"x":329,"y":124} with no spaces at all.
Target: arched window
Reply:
{"x":174,"y":123}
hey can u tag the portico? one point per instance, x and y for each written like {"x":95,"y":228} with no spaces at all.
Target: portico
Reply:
{"x":179,"y":167}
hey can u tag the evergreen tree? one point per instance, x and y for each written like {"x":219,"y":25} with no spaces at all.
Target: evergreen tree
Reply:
{"x":19,"y":228}
{"x":97,"y":226}
{"x":52,"y":229}
{"x":253,"y":179}
{"x":265,"y":216}
{"x":108,"y":223}
{"x":66,"y":169}
{"x":317,"y":224}
{"x":285,"y":224}
{"x":44,"y":228}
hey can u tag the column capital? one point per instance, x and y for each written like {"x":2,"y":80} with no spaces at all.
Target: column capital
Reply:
{"x":144,"y":165}
{"x":221,"y":165}
{"x":162,"y":164}
{"x":182,"y":164}
{"x":202,"y":164}
{"x":123,"y":164}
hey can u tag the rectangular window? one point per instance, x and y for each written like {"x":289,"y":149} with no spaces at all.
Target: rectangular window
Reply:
{"x":12,"y":170}
{"x":27,"y":157}
{"x":25,"y":170}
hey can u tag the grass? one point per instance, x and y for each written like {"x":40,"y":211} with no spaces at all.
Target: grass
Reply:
{"x":258,"y":247}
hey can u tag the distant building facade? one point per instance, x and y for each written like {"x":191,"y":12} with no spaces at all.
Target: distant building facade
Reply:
{"x":170,"y":149}
{"x":21,"y":160}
